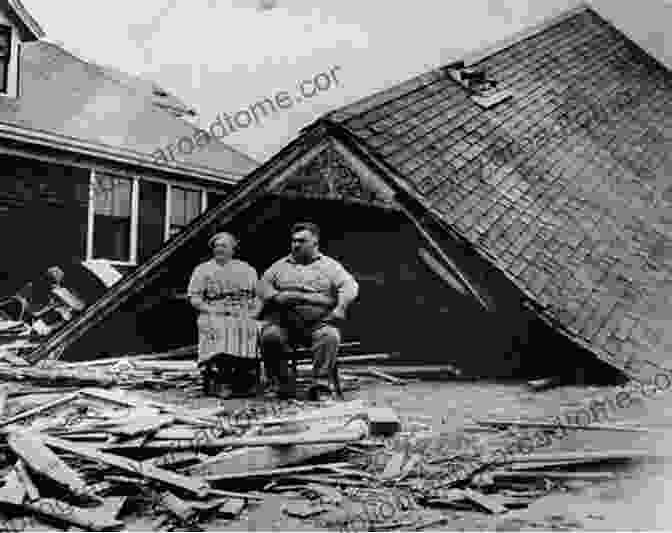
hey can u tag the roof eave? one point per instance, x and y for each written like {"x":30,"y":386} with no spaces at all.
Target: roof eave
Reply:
{"x":29,"y":23}
{"x":61,"y":142}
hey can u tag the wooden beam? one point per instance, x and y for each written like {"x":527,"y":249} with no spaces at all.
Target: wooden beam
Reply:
{"x":40,"y":409}
{"x":191,"y":484}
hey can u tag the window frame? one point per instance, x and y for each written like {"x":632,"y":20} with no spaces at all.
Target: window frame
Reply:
{"x":135,"y":214}
{"x":133,"y":240}
{"x":4,"y":88}
{"x":169,"y":205}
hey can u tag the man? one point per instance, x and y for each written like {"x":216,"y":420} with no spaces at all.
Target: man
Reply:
{"x":305,"y":295}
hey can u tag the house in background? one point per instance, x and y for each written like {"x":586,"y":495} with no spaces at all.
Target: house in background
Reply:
{"x":79,"y":176}
{"x":500,"y":214}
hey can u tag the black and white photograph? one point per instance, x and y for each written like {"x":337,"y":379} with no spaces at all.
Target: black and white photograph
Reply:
{"x":350,"y":266}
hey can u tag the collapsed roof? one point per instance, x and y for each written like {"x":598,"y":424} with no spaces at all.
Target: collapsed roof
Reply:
{"x":555,"y":173}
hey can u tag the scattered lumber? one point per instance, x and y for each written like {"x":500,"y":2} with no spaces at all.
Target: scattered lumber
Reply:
{"x":345,"y":436}
{"x":248,"y":460}
{"x":577,"y":457}
{"x":40,"y":409}
{"x":467,"y":499}
{"x":274,"y":471}
{"x":190,"y":484}
{"x":538,"y":474}
{"x":551,"y":426}
{"x":43,"y":461}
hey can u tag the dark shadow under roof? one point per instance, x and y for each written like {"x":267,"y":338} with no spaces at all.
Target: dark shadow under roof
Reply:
{"x":562,"y":186}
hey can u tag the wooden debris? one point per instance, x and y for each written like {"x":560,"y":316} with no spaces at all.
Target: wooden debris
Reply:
{"x":326,"y":493}
{"x":23,"y":475}
{"x":413,"y":461}
{"x":232,"y":507}
{"x":554,"y":426}
{"x":535,"y":474}
{"x":190,"y":484}
{"x":271,"y":471}
{"x":91,"y":519}
{"x":13,"y":491}
{"x":30,"y":448}
{"x":142,"y":424}
{"x":177,"y":506}
{"x":302,"y":509}
{"x":267,"y":440}
{"x":466,"y":499}
{"x":40,"y":409}
{"x":4,"y":393}
{"x":245,"y":461}
{"x":393,"y":466}
{"x":577,"y":457}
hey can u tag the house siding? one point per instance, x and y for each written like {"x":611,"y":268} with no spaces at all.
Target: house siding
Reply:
{"x":43,"y":212}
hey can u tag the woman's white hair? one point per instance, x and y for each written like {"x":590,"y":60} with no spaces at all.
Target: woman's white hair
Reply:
{"x":223,"y":235}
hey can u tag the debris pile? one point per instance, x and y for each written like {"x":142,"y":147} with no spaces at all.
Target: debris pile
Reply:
{"x":112,"y":459}
{"x":83,"y":449}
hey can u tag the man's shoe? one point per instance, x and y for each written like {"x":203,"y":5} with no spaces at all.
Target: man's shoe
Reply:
{"x":317,"y":391}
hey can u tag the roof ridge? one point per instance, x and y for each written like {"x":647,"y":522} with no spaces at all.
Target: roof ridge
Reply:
{"x":133,"y":91}
{"x":102,"y":69}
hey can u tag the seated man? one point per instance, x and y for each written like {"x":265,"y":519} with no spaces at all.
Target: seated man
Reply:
{"x":305,"y":295}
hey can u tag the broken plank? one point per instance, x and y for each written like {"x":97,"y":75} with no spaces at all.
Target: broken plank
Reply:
{"x":308,"y":437}
{"x":555,"y":426}
{"x":40,"y":409}
{"x":464,"y":499}
{"x":142,"y":425}
{"x":264,"y":457}
{"x":177,"y":506}
{"x":344,"y":410}
{"x":372,"y":371}
{"x":91,"y":519}
{"x":22,"y":473}
{"x":576,"y":457}
{"x":13,"y":491}
{"x":190,"y":484}
{"x":239,"y":495}
{"x":491,"y":505}
{"x":181,"y":415}
{"x":273,"y":471}
{"x":30,"y":447}
{"x":326,"y":480}
{"x":232,"y":507}
{"x":537,"y":474}
{"x":4,"y":393}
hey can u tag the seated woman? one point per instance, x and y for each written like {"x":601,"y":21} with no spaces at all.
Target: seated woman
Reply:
{"x":223,"y":291}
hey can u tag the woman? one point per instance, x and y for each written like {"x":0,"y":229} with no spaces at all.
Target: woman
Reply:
{"x":223,"y":291}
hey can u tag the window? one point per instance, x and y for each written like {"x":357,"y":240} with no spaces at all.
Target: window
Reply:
{"x":131,"y":218}
{"x":112,"y":218}
{"x":152,"y":217}
{"x":5,"y":56}
{"x":185,"y":206}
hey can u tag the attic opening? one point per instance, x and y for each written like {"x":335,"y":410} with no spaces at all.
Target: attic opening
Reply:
{"x":483,"y":89}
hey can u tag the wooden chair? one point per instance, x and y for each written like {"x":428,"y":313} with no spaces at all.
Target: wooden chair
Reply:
{"x":299,"y":353}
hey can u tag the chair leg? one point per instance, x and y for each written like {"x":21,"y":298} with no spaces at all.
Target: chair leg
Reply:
{"x":336,"y":382}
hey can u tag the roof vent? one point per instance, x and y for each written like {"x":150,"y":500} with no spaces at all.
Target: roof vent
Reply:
{"x":483,"y":90}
